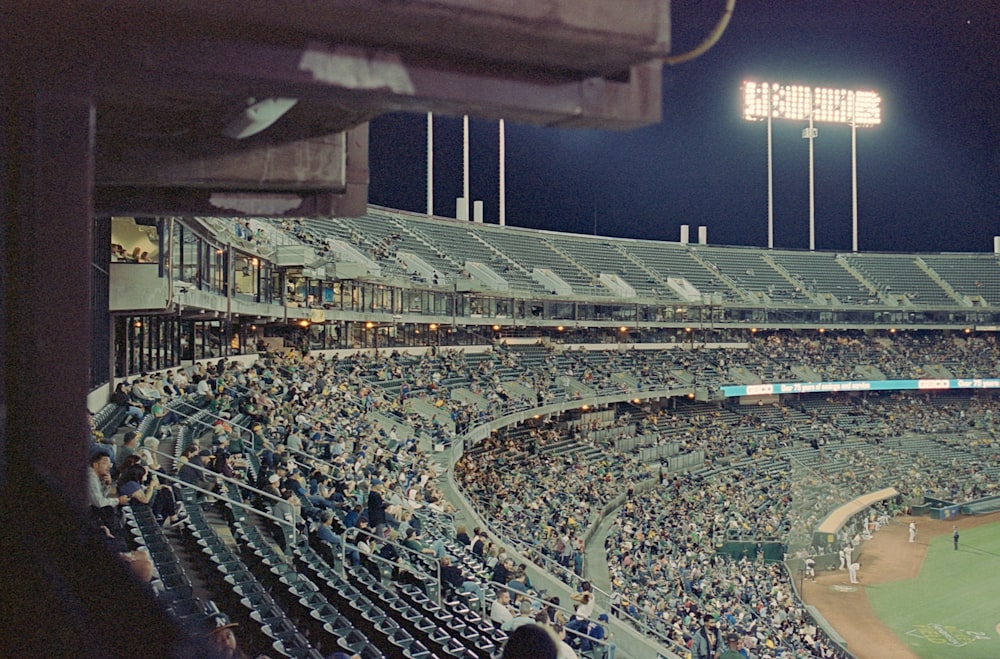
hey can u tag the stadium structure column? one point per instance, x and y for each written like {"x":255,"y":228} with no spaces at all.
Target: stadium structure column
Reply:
{"x":49,"y":132}
{"x":58,"y":577}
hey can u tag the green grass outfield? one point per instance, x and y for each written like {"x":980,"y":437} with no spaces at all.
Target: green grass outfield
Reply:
{"x":952,"y":609}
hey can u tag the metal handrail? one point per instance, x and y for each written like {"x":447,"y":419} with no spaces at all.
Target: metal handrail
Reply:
{"x":236,"y":482}
{"x":239,"y":504}
{"x":191,"y":417}
{"x":355,"y":531}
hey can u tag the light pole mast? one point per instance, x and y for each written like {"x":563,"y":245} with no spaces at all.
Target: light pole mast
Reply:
{"x":810,"y":134}
{"x":771,"y":100}
{"x":770,"y":187}
{"x":854,"y":173}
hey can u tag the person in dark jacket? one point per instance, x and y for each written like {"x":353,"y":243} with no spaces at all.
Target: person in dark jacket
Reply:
{"x":376,"y":507}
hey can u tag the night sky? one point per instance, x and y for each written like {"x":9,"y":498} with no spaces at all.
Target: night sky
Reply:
{"x":928,"y":176}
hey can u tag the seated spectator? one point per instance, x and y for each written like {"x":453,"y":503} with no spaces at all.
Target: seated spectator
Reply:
{"x":477,"y":544}
{"x":501,"y":611}
{"x":222,"y":640}
{"x":165,"y":507}
{"x":325,"y":532}
{"x":133,"y":413}
{"x":203,"y":388}
{"x":551,"y":609}
{"x":133,"y":483}
{"x":130,"y":444}
{"x":416,"y":543}
{"x":590,"y":633}
{"x":565,"y":650}
{"x":352,"y":516}
{"x":502,"y":571}
{"x":525,"y":615}
{"x":104,"y":507}
{"x":454,"y":580}
{"x":166,"y":416}
{"x":144,"y":393}
{"x":197,"y":477}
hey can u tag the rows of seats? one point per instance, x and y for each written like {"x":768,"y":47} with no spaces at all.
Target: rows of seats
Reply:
{"x":239,"y":593}
{"x":170,"y":581}
{"x":823,"y":274}
{"x":973,"y":276}
{"x":899,"y":276}
{"x":733,"y":273}
{"x":107,"y":419}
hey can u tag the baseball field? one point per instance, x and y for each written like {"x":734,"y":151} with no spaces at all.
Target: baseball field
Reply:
{"x":922,"y":599}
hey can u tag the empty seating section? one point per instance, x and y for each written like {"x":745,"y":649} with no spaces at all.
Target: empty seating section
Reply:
{"x":532,"y":249}
{"x":822,"y":274}
{"x":751,"y":273}
{"x":737,"y":274}
{"x":606,"y":256}
{"x":392,"y":237}
{"x":465,"y":243}
{"x":377,"y":248}
{"x":265,"y":625}
{"x":107,"y":419}
{"x":669,"y":260}
{"x":971,"y":275}
{"x":170,"y":582}
{"x":900,"y":279}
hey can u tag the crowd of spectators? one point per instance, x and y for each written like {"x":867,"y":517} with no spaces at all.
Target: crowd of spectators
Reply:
{"x":330,"y":432}
{"x":751,"y":499}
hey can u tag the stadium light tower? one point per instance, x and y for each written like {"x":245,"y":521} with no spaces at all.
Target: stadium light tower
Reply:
{"x":771,"y":100}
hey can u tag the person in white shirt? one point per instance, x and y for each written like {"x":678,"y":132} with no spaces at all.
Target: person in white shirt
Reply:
{"x":98,"y":478}
{"x":524,"y":616}
{"x":501,"y":612}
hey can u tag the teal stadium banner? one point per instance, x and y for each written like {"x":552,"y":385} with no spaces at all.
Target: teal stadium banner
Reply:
{"x":778,"y":388}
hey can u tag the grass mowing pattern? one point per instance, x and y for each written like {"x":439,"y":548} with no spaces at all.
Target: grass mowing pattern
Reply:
{"x":952,"y":609}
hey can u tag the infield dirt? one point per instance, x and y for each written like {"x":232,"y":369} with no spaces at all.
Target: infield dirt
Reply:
{"x":888,"y":556}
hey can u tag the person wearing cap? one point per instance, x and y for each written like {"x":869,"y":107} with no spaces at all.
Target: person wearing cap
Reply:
{"x":590,"y":633}
{"x":272,"y":486}
{"x":193,"y":476}
{"x":732,"y":647}
{"x":222,"y":639}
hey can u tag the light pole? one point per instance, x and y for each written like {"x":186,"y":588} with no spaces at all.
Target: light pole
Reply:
{"x":771,"y":100}
{"x":770,"y":187}
{"x":810,"y":134}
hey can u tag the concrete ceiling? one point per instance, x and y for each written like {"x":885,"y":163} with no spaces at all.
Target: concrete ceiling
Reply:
{"x":169,"y":79}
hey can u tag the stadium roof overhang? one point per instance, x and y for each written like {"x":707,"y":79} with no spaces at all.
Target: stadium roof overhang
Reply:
{"x":260,"y":107}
